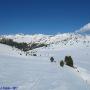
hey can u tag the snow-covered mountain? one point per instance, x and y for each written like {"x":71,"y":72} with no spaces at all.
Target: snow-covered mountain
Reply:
{"x":27,"y":72}
{"x":47,"y":38}
{"x":65,"y":39}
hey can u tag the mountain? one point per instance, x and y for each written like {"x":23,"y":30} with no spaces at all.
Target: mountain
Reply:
{"x":59,"y":39}
{"x":35,"y":72}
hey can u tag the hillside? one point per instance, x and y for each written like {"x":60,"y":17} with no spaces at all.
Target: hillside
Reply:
{"x":49,"y":39}
{"x":38,"y":73}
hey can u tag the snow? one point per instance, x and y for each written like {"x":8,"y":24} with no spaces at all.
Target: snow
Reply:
{"x":6,"y":50}
{"x":35,"y":74}
{"x":38,"y":73}
{"x":41,"y":38}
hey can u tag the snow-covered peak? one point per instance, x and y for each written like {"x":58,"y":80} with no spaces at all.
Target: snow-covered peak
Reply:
{"x":41,"y":38}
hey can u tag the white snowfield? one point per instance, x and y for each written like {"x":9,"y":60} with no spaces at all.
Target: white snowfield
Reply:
{"x":38,"y":73}
{"x":41,"y":38}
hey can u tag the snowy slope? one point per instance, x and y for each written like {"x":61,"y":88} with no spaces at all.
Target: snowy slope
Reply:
{"x":38,"y":73}
{"x":6,"y":50}
{"x":35,"y":74}
{"x":48,"y":38}
{"x":59,"y":40}
{"x":80,"y":56}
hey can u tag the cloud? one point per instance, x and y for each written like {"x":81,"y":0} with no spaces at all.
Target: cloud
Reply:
{"x":85,"y":28}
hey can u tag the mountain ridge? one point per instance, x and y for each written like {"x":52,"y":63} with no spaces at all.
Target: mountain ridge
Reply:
{"x":44,"y":38}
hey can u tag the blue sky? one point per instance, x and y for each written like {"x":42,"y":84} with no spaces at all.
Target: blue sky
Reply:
{"x":43,"y":16}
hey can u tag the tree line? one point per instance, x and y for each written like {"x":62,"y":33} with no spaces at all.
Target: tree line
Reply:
{"x":22,"y":46}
